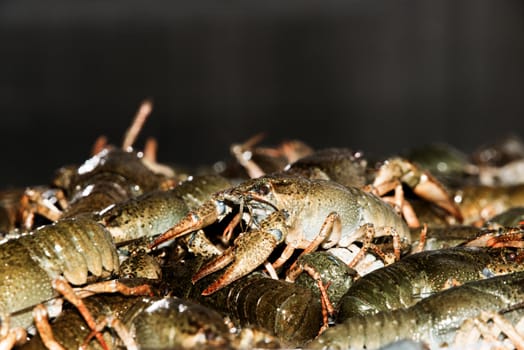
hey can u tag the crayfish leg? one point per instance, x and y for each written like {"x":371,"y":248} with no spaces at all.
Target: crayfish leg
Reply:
{"x":149,"y":160}
{"x":480,"y":327}
{"x":401,"y":205}
{"x":326,"y":306}
{"x":44,"y":328}
{"x":112,"y":286}
{"x":270,"y":270}
{"x":10,"y":337}
{"x":243,"y":157}
{"x":138,"y":122}
{"x":332,"y":227}
{"x":389,"y":231}
{"x":62,"y":286}
{"x":284,"y":256}
{"x":33,"y":202}
{"x":422,"y":239}
{"x":396,"y":241}
{"x":369,"y":233}
{"x":123,"y":333}
{"x":406,"y":209}
{"x":75,"y":295}
{"x":151,"y":150}
{"x":328,"y":310}
{"x":228,"y":231}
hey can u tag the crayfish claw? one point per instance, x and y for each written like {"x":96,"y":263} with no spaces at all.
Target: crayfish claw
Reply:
{"x":216,"y":264}
{"x":188,"y":224}
{"x":204,"y":216}
{"x":250,"y":250}
{"x":430,"y":189}
{"x":423,"y":183}
{"x":228,"y":277}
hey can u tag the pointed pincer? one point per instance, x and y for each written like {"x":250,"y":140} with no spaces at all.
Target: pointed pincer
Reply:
{"x":422,"y":182}
{"x":208,"y":213}
{"x":250,"y":250}
{"x":432,"y":190}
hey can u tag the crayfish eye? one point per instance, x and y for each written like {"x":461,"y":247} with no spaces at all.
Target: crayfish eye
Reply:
{"x":277,"y":234}
{"x":263,"y":189}
{"x":220,"y":207}
{"x":511,"y":256}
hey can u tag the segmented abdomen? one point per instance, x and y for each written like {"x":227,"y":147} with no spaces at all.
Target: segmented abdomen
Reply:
{"x":69,"y":247}
{"x":417,"y":276}
{"x":433,"y":320}
{"x":286,"y":310}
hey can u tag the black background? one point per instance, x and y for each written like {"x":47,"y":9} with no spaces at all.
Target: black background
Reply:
{"x":379,"y":76}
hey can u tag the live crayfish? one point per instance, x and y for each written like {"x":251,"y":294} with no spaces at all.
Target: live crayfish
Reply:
{"x":479,"y":203}
{"x":78,"y":244}
{"x":72,"y":247}
{"x":512,"y":217}
{"x":313,"y":204}
{"x":417,"y":276}
{"x":483,"y":184}
{"x":352,"y":169}
{"x":286,"y":310}
{"x":303,"y":213}
{"x":433,"y":321}
{"x":402,"y":283}
{"x":109,"y":177}
{"x":70,"y":331}
{"x":149,"y":323}
{"x":155,"y":212}
{"x":113,"y":174}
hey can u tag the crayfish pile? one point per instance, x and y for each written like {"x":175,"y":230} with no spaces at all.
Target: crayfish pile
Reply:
{"x":275,"y":246}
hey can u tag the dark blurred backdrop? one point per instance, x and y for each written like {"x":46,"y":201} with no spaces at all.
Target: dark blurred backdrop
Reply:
{"x":379,"y":76}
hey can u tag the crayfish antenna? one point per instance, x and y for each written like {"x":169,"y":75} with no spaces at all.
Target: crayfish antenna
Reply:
{"x":99,"y":145}
{"x":140,"y":118}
